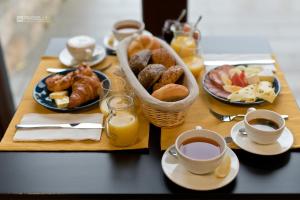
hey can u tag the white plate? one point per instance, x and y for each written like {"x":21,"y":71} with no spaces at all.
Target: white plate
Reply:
{"x":283,"y":144}
{"x":179,"y":175}
{"x":67,"y":59}
{"x":115,"y":42}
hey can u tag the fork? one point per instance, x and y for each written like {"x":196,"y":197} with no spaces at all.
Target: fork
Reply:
{"x":229,"y":118}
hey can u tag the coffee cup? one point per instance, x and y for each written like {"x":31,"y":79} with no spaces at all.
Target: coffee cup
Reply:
{"x":125,"y":28}
{"x":263,"y":126}
{"x":200,"y":151}
{"x":81,"y":47}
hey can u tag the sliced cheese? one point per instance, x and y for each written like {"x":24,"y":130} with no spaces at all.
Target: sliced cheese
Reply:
{"x":225,"y":79}
{"x":62,"y":102}
{"x":246,"y":94}
{"x":266,"y":75}
{"x":253,"y":79}
{"x":58,"y":95}
{"x":265,"y":91}
{"x":231,"y":88}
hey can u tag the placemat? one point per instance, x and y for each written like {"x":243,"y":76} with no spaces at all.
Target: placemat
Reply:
{"x":28,"y":105}
{"x":198,"y":114}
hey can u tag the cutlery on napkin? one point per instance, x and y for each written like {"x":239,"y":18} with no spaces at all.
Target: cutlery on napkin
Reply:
{"x":57,"y":127}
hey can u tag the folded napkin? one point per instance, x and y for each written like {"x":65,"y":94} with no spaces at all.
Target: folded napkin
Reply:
{"x":55,"y":134}
{"x":222,"y":58}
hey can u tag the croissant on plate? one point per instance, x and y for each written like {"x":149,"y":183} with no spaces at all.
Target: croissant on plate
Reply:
{"x":59,"y":82}
{"x":84,"y":89}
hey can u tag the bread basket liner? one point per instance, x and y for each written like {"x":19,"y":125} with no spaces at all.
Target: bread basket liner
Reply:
{"x":143,"y":94}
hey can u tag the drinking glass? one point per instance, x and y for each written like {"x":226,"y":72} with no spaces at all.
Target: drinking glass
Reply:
{"x":113,"y":86}
{"x":122,"y":122}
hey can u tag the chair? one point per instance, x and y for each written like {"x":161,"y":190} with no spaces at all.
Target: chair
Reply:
{"x":6,"y":100}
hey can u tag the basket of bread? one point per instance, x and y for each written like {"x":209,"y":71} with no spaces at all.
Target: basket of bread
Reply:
{"x":160,"y":79}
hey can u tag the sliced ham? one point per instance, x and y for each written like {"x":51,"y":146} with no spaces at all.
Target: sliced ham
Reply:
{"x":215,"y":89}
{"x":216,"y":74}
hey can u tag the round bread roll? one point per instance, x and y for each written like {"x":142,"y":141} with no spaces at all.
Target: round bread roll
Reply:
{"x":150,"y":74}
{"x":142,"y":42}
{"x":139,"y":60}
{"x":171,"y":92}
{"x":162,"y":56}
{"x":171,"y":75}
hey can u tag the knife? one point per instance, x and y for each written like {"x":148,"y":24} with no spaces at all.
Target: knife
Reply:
{"x":71,"y":125}
{"x":239,"y":62}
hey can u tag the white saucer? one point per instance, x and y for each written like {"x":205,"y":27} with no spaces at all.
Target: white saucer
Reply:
{"x":66,"y":58}
{"x":283,"y":144}
{"x":179,"y":175}
{"x":114,"y":45}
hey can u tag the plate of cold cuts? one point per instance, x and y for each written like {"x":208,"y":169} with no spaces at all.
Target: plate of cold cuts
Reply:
{"x":242,"y":85}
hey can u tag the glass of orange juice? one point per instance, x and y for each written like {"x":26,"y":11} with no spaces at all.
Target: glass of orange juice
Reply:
{"x":186,"y":46}
{"x":122,"y":122}
{"x":113,"y":86}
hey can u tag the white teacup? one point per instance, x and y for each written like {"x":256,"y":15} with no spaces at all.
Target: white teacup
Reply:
{"x":259,"y":135}
{"x":81,"y":47}
{"x":125,"y":28}
{"x":200,"y":166}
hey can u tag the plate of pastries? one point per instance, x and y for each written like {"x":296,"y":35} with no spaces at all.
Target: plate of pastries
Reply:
{"x":156,"y":69}
{"x":241,"y":85}
{"x":70,"y":90}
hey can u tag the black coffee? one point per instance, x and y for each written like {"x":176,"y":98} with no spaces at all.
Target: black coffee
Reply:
{"x":264,"y":124}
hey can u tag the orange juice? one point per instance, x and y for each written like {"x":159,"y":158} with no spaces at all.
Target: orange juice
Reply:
{"x":195,"y":64}
{"x":184,"y":45}
{"x":123,"y":129}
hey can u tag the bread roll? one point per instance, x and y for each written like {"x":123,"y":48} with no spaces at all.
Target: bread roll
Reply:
{"x":142,"y":42}
{"x":139,"y":61}
{"x":162,"y":56}
{"x":149,"y":75}
{"x":171,"y":92}
{"x":170,"y":76}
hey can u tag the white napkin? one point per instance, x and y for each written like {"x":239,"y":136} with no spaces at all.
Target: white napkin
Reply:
{"x":238,"y":57}
{"x":59,"y":134}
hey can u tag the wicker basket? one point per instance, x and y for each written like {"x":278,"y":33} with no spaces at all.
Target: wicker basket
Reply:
{"x":159,"y":113}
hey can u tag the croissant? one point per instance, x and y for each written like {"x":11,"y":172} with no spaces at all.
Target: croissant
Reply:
{"x":84,"y":89}
{"x":59,"y":82}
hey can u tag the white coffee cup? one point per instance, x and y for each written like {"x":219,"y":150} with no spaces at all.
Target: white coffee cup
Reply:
{"x":81,"y":47}
{"x":200,"y":166}
{"x":263,"y":136}
{"x":125,"y":28}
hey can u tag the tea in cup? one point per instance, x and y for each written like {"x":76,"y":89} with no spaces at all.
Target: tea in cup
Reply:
{"x":200,"y":151}
{"x":81,"y":47}
{"x":125,"y":28}
{"x":263,"y":126}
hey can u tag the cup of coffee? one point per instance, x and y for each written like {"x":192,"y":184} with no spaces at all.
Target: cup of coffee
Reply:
{"x":81,"y":47}
{"x":263,"y":126}
{"x":125,"y":28}
{"x":200,"y":151}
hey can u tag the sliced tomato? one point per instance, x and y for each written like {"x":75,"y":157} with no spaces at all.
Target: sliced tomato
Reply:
{"x":239,"y":79}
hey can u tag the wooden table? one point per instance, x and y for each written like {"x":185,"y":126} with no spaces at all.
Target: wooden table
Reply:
{"x":138,"y":174}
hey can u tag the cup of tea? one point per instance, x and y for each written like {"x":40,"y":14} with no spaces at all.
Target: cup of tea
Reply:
{"x":81,"y":47}
{"x":263,"y":126}
{"x":125,"y":28}
{"x":200,"y":151}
